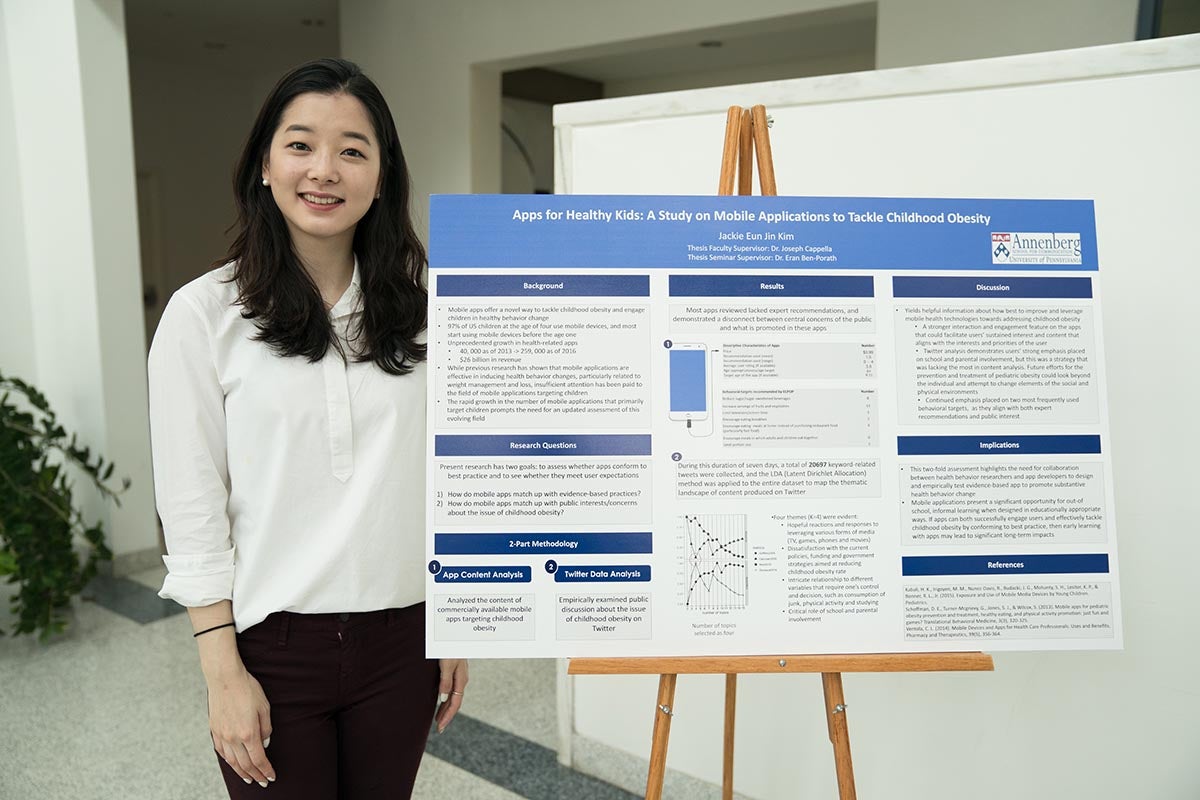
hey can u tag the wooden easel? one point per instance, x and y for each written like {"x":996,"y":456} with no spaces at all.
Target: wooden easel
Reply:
{"x":746,"y":130}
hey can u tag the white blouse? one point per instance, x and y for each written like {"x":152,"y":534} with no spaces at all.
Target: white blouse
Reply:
{"x":282,"y":485}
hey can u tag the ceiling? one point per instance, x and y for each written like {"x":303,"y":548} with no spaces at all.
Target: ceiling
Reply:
{"x":799,"y":37}
{"x":204,"y":29}
{"x":182,"y":29}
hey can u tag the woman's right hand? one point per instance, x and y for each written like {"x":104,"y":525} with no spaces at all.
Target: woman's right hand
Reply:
{"x":239,"y":716}
{"x":239,"y":719}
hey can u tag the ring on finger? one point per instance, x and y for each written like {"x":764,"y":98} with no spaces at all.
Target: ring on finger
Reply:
{"x":460,"y":694}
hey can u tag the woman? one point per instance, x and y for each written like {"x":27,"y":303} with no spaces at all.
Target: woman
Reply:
{"x":287,"y":405}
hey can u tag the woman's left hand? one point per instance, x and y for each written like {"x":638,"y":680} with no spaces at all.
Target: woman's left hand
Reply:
{"x":450,"y":690}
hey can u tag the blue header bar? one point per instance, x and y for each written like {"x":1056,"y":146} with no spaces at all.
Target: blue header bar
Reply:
{"x":992,"y":287}
{"x":483,"y":575}
{"x":564,"y":232}
{"x":638,"y":573}
{"x":995,"y":445}
{"x":542,"y":446}
{"x":1005,"y":565}
{"x":452,"y":544}
{"x":770,"y":286}
{"x":459,"y":285}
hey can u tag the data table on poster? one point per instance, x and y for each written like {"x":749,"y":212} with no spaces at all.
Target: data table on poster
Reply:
{"x":737,"y":426}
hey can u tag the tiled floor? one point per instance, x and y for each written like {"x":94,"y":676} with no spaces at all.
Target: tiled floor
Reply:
{"x":115,"y":708}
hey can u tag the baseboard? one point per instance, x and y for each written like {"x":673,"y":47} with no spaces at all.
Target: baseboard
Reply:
{"x":126,"y":564}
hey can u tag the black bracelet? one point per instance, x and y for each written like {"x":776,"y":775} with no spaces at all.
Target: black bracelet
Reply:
{"x":214,"y":628}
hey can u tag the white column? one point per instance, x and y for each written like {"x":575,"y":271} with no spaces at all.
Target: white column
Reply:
{"x":16,"y":320}
{"x":74,"y":249}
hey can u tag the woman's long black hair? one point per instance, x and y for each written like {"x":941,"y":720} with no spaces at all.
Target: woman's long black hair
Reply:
{"x":273,"y":288}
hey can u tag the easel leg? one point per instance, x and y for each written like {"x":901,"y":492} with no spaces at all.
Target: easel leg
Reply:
{"x":729,"y":157}
{"x":839,"y":734}
{"x":662,"y":730}
{"x":762,"y":151}
{"x":745,"y":156}
{"x":730,"y":716}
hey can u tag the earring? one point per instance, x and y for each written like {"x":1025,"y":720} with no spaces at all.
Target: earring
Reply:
{"x":266,"y":182}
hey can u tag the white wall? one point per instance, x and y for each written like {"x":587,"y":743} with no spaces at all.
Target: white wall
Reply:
{"x":532,"y":122}
{"x":780,"y":70}
{"x":73,"y":159}
{"x":533,"y":125}
{"x":450,"y":126}
{"x":112,"y":199}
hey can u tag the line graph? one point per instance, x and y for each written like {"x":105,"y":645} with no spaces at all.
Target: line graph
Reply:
{"x":716,"y":560}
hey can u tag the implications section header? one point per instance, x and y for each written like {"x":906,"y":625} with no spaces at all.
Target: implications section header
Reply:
{"x":995,"y":445}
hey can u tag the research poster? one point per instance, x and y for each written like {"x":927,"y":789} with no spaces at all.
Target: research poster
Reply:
{"x":759,"y":425}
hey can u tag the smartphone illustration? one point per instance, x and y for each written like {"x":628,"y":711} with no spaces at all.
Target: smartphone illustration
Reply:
{"x":689,"y":382}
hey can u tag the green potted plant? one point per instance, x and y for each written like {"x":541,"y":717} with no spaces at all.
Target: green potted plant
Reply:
{"x":39,"y":523}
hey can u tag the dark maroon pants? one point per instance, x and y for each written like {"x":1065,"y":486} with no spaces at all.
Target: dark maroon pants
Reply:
{"x":352,"y":699}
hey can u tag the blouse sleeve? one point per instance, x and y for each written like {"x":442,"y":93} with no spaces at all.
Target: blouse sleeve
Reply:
{"x":191,"y":476}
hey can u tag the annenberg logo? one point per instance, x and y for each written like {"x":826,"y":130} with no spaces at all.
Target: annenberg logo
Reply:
{"x":1000,"y":251}
{"x":1036,"y":248}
